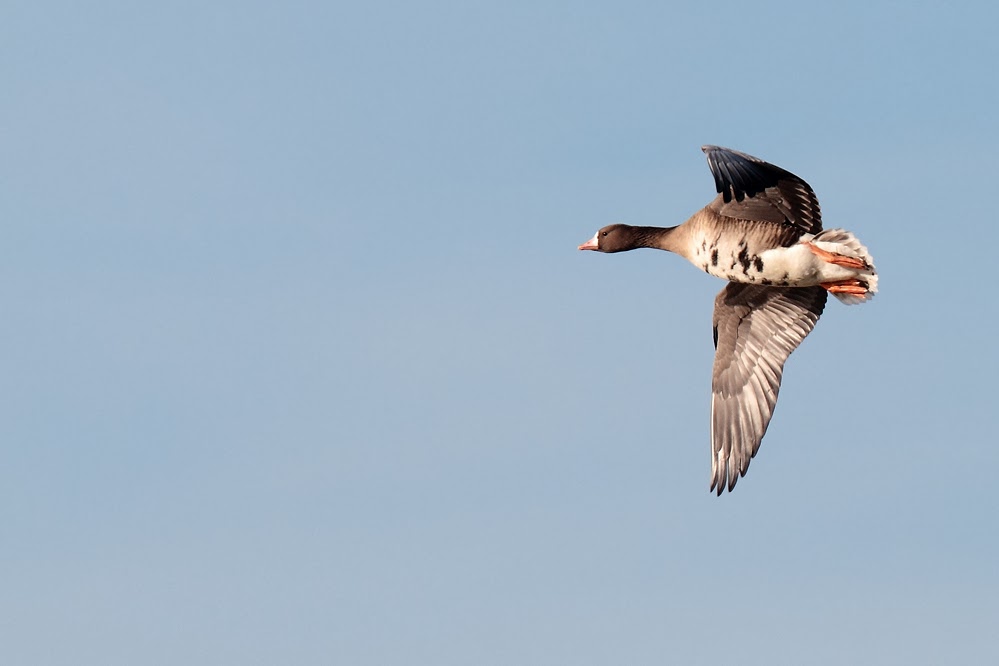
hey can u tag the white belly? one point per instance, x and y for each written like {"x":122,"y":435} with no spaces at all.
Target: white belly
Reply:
{"x":798,"y":266}
{"x":795,"y":266}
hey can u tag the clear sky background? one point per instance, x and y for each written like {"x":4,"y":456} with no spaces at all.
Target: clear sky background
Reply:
{"x":301,"y":364}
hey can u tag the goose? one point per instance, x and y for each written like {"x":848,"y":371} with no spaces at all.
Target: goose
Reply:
{"x":763,"y":233}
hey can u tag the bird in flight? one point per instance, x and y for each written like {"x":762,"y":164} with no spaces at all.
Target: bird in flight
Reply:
{"x":763,"y":233}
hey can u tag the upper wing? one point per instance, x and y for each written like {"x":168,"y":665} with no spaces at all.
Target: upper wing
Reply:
{"x":756,"y":328}
{"x":751,"y":189}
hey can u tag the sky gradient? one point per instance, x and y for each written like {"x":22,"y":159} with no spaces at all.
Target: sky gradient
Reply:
{"x":303,"y":366}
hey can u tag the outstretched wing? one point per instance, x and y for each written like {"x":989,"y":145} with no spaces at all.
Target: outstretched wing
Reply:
{"x":751,"y":189}
{"x":756,"y":328}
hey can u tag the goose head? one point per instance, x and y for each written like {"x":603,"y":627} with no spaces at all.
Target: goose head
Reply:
{"x":614,"y":238}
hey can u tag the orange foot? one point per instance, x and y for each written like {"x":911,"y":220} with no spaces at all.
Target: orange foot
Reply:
{"x":838,"y":259}
{"x":855,"y":287}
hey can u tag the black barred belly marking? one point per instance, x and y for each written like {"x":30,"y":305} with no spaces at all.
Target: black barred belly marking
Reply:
{"x":732,"y":261}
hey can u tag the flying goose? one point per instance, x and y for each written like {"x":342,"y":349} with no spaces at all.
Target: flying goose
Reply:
{"x":763,"y":233}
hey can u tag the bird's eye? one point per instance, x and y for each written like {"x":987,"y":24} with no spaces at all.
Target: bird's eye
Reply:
{"x":604,"y":233}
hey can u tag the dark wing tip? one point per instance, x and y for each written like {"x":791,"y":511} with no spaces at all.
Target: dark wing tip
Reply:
{"x":738,"y":175}
{"x":725,"y":481}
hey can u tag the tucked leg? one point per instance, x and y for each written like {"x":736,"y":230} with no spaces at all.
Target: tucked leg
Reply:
{"x":835,"y":258}
{"x":855,"y":287}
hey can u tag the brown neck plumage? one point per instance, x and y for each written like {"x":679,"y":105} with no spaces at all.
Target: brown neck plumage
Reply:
{"x":659,"y":238}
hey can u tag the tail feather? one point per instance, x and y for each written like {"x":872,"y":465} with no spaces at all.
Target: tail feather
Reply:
{"x":842,"y":241}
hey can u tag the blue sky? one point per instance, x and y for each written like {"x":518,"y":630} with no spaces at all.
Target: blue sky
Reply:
{"x":302,"y":364}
